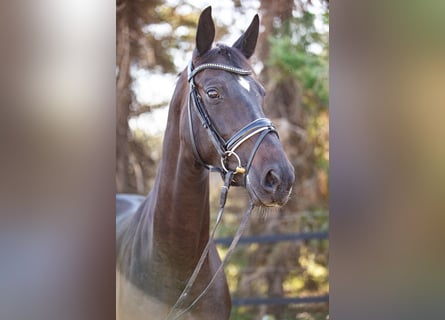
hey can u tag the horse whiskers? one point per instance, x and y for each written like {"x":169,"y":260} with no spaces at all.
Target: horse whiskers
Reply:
{"x":292,"y":194}
{"x":264,"y":211}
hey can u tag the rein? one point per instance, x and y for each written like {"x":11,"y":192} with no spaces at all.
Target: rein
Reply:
{"x":225,"y":149}
{"x":178,"y":310}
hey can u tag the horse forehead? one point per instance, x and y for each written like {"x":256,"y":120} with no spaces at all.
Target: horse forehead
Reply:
{"x":243,"y":82}
{"x":231,"y":80}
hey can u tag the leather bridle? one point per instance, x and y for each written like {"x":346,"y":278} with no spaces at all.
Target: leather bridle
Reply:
{"x":225,"y":148}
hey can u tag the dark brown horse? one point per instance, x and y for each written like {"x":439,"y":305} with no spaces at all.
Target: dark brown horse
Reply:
{"x":215,"y":117}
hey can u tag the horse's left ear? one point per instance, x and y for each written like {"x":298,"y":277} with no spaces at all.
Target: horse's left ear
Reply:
{"x":206,"y":31}
{"x":247,"y":42}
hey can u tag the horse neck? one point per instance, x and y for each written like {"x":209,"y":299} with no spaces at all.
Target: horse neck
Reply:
{"x":180,"y":195}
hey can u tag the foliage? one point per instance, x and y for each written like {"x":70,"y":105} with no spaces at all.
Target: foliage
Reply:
{"x":309,"y":68}
{"x":292,"y":53}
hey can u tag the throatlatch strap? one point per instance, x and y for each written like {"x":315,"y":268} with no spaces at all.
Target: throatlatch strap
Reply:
{"x":194,"y":147}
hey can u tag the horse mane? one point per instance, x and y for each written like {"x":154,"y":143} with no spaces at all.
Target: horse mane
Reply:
{"x":230,"y":55}
{"x":235,"y":57}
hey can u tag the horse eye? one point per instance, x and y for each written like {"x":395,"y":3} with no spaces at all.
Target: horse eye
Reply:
{"x":212,"y":93}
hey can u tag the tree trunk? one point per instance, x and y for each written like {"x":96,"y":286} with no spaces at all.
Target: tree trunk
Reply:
{"x":271,"y":10}
{"x":282,"y":102}
{"x":123,"y":100}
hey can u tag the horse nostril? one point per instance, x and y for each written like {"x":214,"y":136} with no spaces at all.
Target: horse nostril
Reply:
{"x":271,"y":181}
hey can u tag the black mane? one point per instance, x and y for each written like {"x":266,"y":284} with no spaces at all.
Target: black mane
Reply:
{"x":229,"y":55}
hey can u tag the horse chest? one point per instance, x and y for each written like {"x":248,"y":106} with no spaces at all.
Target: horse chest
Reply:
{"x":133,"y":304}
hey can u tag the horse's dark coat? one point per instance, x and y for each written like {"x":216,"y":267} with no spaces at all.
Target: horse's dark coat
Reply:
{"x":159,"y":244}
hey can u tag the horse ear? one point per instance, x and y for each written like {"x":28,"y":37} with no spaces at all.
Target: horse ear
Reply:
{"x":206,"y":31}
{"x":247,"y":42}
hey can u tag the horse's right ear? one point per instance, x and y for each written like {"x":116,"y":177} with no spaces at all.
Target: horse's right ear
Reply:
{"x":206,"y":31}
{"x":247,"y":42}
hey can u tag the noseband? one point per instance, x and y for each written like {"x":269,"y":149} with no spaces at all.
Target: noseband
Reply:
{"x":225,"y":149}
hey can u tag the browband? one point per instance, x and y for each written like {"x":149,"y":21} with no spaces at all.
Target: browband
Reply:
{"x":192,"y":72}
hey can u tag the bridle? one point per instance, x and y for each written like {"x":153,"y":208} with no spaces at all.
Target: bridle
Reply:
{"x":225,"y":150}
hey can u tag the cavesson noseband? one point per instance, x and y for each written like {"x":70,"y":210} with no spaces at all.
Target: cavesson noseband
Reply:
{"x":224,"y":148}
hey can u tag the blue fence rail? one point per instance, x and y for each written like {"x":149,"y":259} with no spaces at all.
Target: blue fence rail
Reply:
{"x":278,"y":300}
{"x":321,"y":235}
{"x":267,"y":239}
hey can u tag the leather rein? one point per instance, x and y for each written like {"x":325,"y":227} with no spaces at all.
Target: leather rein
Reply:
{"x":225,"y":150}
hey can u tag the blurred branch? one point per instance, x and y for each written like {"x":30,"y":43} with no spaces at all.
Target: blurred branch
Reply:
{"x":144,"y":108}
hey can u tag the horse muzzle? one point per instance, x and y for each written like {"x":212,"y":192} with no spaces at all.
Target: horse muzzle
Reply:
{"x":272,"y":186}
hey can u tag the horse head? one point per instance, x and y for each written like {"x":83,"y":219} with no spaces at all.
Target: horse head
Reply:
{"x":224,"y":122}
